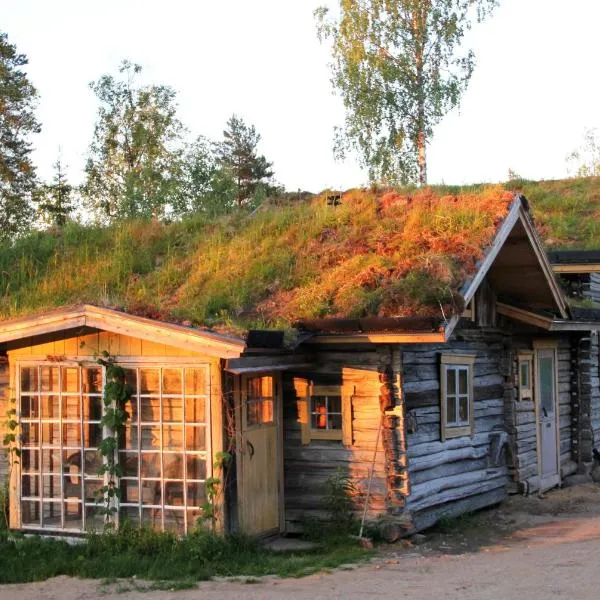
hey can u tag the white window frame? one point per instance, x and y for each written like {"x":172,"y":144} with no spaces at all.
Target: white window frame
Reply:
{"x":456,"y":363}
{"x":525,"y":358}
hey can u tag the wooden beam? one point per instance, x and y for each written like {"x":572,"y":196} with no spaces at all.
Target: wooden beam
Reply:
{"x":378,"y":338}
{"x":524,"y":316}
{"x":577,"y":268}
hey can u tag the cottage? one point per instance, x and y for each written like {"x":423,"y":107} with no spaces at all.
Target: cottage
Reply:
{"x":435,"y":413}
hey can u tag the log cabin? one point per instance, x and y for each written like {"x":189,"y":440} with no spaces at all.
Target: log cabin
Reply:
{"x":431,"y":414}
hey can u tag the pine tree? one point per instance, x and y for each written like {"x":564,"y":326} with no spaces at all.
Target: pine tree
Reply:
{"x":238,"y":154}
{"x":56,"y":197}
{"x":17,"y":121}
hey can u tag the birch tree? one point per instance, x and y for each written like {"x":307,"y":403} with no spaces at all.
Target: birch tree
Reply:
{"x":398,"y":69}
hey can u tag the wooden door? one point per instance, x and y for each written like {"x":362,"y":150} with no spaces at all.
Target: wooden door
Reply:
{"x":259,"y":455}
{"x":547,"y":419}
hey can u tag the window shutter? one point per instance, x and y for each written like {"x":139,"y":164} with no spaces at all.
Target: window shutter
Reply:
{"x":301,"y":387}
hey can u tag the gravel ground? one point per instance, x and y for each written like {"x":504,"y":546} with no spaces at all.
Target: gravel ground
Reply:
{"x":531,"y":548}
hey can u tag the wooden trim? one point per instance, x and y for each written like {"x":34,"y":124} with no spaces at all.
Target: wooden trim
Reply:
{"x":577,"y":269}
{"x":348,"y":392}
{"x":117,"y":322}
{"x":215,"y":436}
{"x":304,"y":417}
{"x":378,"y":338}
{"x":326,"y":434}
{"x":278,"y":409}
{"x":525,"y":356}
{"x":458,"y":359}
{"x":542,"y":343}
{"x":525,"y":316}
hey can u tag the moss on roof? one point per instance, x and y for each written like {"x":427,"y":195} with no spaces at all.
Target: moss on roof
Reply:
{"x":389,"y":254}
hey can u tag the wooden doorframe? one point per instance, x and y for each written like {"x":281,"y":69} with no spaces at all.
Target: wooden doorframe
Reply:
{"x":240,"y":420}
{"x":541,"y":345}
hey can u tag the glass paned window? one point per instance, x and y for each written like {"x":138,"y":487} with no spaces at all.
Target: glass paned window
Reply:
{"x":259,"y":400}
{"x":162,"y":449}
{"x":326,"y":412}
{"x":457,"y":395}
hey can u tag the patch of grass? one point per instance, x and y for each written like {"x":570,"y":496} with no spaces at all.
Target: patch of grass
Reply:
{"x":162,"y":558}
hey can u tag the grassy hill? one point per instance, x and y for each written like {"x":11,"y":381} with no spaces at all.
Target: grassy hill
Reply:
{"x":387,"y":253}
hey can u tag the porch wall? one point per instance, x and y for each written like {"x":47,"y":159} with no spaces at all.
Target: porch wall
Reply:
{"x":307,"y":467}
{"x":520,"y":421}
{"x":457,"y":475}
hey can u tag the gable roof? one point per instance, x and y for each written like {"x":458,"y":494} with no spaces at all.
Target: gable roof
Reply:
{"x":77,"y":317}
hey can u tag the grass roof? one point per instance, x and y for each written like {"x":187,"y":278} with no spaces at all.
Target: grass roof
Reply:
{"x":379,"y":253}
{"x":388,"y":254}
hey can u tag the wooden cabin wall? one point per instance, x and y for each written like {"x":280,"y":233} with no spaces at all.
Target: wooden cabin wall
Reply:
{"x":590,"y":288}
{"x":520,"y":416}
{"x":453,"y":476}
{"x":308,"y":467}
{"x":595,"y":390}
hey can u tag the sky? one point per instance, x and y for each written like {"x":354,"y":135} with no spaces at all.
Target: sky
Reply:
{"x":534,"y":91}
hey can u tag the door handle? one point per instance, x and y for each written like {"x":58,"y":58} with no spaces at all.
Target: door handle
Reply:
{"x":250,"y":448}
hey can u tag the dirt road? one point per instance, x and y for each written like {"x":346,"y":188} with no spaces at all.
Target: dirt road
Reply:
{"x":529,"y":548}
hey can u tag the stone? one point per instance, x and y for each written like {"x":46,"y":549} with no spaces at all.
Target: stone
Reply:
{"x":418,"y":538}
{"x":596,"y":474}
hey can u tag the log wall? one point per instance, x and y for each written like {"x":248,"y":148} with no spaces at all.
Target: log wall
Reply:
{"x":595,"y":391}
{"x":4,"y":398}
{"x":457,"y":475}
{"x":307,"y":467}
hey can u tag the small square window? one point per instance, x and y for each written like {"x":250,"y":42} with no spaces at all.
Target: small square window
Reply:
{"x":525,"y":380}
{"x":457,"y":411}
{"x":259,"y":400}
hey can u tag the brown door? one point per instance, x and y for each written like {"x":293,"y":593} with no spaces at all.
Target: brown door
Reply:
{"x":259,"y":455}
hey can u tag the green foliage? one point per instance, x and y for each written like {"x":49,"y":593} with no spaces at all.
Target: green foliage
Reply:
{"x":237,"y":154}
{"x":17,"y":122}
{"x":213,"y":488}
{"x":134,"y":164}
{"x":117,"y":393}
{"x":55,"y":199}
{"x":146,"y":554}
{"x":397,"y":68}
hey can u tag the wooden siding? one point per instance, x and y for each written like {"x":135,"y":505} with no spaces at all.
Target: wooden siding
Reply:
{"x":595,"y":391}
{"x":4,"y":398}
{"x":456,"y":475}
{"x":307,"y":467}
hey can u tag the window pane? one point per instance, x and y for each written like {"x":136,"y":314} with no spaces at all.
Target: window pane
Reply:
{"x":70,"y":379}
{"x":72,"y":487}
{"x":525,"y":375}
{"x":267,"y":411}
{"x":130,"y":513}
{"x":92,"y":435}
{"x":335,"y":404}
{"x":150,"y":466}
{"x":30,"y":434}
{"x":49,"y":379}
{"x":260,"y":387}
{"x":463,"y":409}
{"x":31,"y":486}
{"x":451,"y":412}
{"x":149,"y":381}
{"x":173,"y":409}
{"x":92,"y":408}
{"x":172,"y":466}
{"x":130,"y":491}
{"x":50,"y":434}
{"x":29,"y":379}
{"x":172,"y":437}
{"x":171,"y":381}
{"x":30,"y":459}
{"x":150,"y":409}
{"x":94,"y":518}
{"x":30,"y":513}
{"x":335,"y":421}
{"x":51,"y":486}
{"x":175,"y":520}
{"x":195,"y":383}
{"x":194,"y":410}
{"x":71,"y":408}
{"x":130,"y":407}
{"x":196,"y":467}
{"x":195,"y":438}
{"x":253,"y":412}
{"x":150,"y":438}
{"x":546,"y":366}
{"x":93,"y":490}
{"x":195,"y":494}
{"x":71,"y":434}
{"x":152,"y":517}
{"x":151,"y":492}
{"x":174,"y":493}
{"x":93,"y":462}
{"x":73,"y":512}
{"x":30,"y":407}
{"x":92,"y":380}
{"x":131,"y":380}
{"x":50,"y":407}
{"x":462,"y":381}
{"x":128,"y":461}
{"x":51,"y":514}
{"x":450,"y":380}
{"x":128,"y":438}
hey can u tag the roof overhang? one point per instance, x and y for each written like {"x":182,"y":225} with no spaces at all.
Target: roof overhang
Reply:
{"x":179,"y":336}
{"x":576,"y":269}
{"x":524,"y":316}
